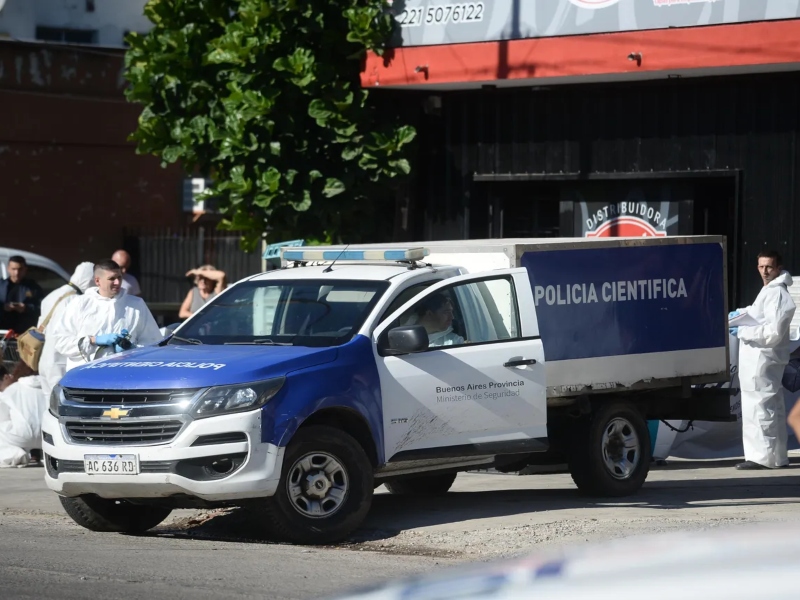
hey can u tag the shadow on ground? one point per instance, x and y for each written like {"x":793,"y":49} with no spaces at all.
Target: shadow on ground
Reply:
{"x":390,"y":515}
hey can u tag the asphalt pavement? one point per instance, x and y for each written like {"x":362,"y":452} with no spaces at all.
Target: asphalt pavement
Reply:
{"x":215,"y":554}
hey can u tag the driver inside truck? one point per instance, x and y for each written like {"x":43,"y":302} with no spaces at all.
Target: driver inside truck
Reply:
{"x":436,"y":313}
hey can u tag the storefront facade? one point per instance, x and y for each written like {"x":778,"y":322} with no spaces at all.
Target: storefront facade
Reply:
{"x":602,"y":117}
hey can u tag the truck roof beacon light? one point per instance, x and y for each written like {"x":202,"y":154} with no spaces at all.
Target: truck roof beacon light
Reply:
{"x":325,"y":253}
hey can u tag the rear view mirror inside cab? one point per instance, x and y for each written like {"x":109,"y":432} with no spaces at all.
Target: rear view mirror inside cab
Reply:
{"x":406,"y":339}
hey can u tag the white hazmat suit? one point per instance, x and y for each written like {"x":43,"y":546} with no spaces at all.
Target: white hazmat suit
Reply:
{"x":763,"y":355}
{"x":82,"y":279}
{"x":22,"y":405}
{"x":92,"y":314}
{"x":53,"y":365}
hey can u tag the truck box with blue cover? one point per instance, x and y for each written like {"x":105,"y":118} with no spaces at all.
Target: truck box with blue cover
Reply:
{"x":618,"y":313}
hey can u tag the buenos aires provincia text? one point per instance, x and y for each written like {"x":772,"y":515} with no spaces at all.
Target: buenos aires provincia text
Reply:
{"x":610,"y":291}
{"x":492,"y":390}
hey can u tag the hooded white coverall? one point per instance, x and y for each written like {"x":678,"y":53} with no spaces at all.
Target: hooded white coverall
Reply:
{"x":53,"y":365}
{"x":82,"y":279}
{"x":763,"y":356}
{"x":22,"y":405}
{"x":92,"y":314}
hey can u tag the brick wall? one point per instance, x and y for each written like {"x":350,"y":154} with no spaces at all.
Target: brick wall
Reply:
{"x":70,"y":182}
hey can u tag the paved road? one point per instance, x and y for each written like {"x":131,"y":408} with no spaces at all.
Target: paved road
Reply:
{"x":213,"y":554}
{"x":47,"y":558}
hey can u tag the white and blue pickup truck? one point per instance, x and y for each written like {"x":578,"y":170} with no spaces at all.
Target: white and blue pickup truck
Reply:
{"x":298,"y":391}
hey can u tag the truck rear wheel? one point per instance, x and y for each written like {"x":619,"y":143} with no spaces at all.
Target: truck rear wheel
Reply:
{"x":99,"y":514}
{"x":422,"y":484}
{"x":325,"y":490}
{"x":610,"y":452}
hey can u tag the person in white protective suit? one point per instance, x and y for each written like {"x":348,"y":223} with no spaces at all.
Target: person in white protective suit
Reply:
{"x":22,"y":405}
{"x":100,"y":321}
{"x":763,"y":356}
{"x":53,"y":365}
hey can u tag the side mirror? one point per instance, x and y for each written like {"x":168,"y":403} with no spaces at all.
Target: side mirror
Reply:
{"x":407,"y":339}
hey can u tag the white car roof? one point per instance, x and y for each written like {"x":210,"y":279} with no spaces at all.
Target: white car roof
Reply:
{"x":343,"y":270}
{"x":33,"y":259}
{"x":734,"y":563}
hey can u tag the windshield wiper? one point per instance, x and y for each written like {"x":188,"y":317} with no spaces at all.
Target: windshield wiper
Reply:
{"x":187,"y":340}
{"x":260,"y":342}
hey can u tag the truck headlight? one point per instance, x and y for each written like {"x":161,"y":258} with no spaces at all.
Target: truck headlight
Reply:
{"x":56,"y":396}
{"x":236,"y":398}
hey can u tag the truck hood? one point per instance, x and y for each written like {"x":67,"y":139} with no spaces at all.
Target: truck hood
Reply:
{"x":180,"y":367}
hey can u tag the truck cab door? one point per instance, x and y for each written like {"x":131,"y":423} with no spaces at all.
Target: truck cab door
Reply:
{"x":479,"y":387}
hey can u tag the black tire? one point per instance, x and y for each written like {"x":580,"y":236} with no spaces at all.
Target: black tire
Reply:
{"x":422,"y":485}
{"x":591,"y":467}
{"x":98,"y":514}
{"x":288,"y":519}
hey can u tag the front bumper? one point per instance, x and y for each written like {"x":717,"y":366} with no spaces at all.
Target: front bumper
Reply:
{"x":164,"y":467}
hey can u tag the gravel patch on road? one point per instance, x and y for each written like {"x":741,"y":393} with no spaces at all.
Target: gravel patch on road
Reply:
{"x":474,"y":544}
{"x":510,"y":541}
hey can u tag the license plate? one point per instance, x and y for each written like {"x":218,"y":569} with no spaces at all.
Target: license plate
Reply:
{"x":111,"y":464}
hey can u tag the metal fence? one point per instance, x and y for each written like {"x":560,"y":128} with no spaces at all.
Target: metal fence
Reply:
{"x":161,"y":258}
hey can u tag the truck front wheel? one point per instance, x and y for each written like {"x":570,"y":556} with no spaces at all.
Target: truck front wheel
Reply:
{"x":325,"y":489}
{"x":422,"y":484}
{"x":99,"y":514}
{"x":610,"y":452}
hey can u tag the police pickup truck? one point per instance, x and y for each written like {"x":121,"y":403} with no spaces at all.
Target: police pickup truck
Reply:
{"x":298,"y":391}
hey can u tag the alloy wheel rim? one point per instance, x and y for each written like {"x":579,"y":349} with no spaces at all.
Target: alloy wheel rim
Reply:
{"x":622,"y":448}
{"x":317,"y":485}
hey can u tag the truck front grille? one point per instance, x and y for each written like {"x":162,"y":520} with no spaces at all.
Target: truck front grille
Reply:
{"x":118,"y":398}
{"x":128,"y":433}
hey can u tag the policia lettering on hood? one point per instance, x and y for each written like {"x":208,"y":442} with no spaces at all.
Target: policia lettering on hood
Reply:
{"x":610,"y":291}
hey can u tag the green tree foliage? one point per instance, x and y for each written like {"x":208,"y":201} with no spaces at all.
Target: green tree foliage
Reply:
{"x":263,"y":97}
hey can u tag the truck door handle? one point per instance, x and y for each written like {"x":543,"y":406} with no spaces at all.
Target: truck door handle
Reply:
{"x":520,"y":362}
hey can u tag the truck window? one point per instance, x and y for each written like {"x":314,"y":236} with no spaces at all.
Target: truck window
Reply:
{"x":469,"y":313}
{"x":294,"y":312}
{"x":404,"y":296}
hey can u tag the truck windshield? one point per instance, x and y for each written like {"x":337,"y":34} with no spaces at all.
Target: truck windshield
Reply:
{"x":293,"y":312}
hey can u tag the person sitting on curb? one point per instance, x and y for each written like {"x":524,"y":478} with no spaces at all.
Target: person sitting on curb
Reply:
{"x":22,"y":404}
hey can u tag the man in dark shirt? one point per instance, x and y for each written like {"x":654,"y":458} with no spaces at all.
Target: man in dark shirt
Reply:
{"x":21,"y":298}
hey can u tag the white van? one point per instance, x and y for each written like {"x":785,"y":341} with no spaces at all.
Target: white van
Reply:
{"x":47,"y":273}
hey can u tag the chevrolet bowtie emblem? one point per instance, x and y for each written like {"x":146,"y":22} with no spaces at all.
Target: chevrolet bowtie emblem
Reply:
{"x":115,"y":413}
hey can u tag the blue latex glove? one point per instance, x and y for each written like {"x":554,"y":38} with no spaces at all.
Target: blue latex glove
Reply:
{"x":732,"y":314}
{"x":106,"y":339}
{"x":734,"y":331}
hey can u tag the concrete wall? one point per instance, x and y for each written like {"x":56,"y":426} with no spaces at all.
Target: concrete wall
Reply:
{"x":69,"y":179}
{"x":18,"y":19}
{"x":110,"y":18}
